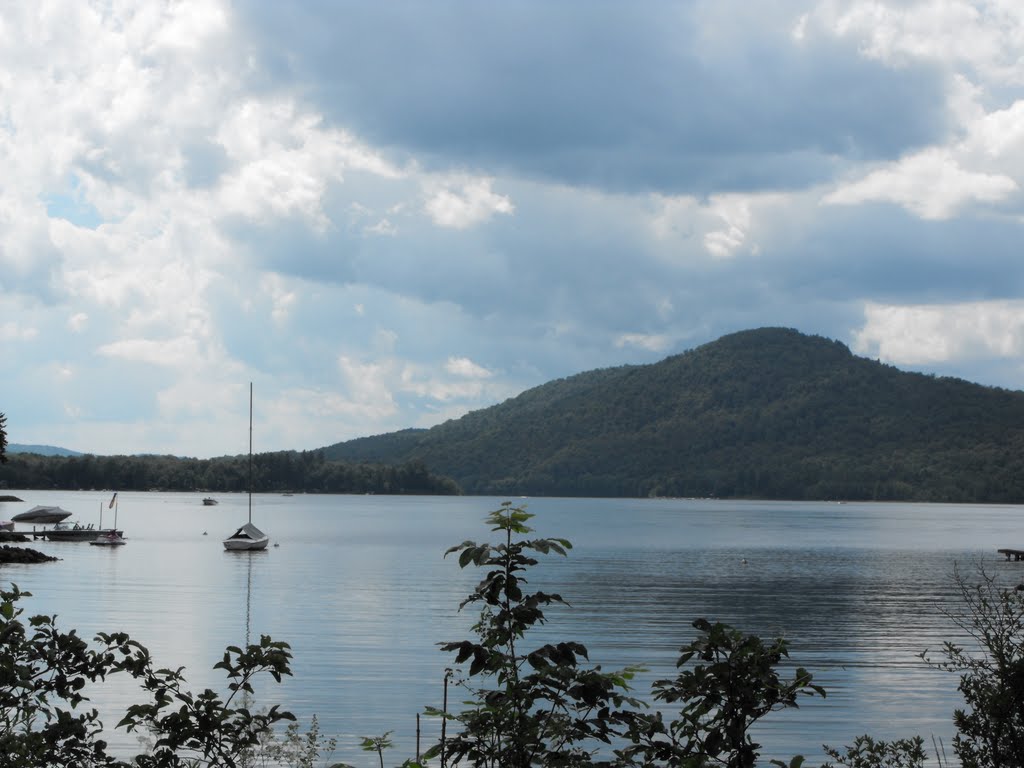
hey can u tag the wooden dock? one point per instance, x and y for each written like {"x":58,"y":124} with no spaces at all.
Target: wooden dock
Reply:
{"x":1012,"y":554}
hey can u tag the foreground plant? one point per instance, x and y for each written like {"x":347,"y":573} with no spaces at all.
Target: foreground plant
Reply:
{"x":527,"y":706}
{"x":728,"y":682}
{"x":200,"y":729}
{"x":990,"y":728}
{"x":44,"y":673}
{"x":301,"y":750}
{"x":866,"y":752}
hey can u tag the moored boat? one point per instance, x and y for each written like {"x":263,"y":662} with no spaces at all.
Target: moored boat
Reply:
{"x":43,"y":515}
{"x":248,"y":537}
{"x":108,"y":538}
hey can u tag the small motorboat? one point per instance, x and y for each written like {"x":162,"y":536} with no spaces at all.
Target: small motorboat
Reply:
{"x":208,"y":502}
{"x":108,"y":538}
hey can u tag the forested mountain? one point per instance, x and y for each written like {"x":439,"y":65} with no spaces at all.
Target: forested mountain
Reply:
{"x":767,"y":413}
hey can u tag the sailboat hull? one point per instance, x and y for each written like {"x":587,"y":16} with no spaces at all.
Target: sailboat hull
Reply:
{"x":248,"y":537}
{"x":245,"y":545}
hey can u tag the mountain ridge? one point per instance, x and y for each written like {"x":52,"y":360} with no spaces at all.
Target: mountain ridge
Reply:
{"x":42,"y":450}
{"x":765,"y":413}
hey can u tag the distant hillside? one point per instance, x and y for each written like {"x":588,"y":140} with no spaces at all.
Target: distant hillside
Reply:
{"x":42,"y":450}
{"x":768,"y":413}
{"x":305,"y":472}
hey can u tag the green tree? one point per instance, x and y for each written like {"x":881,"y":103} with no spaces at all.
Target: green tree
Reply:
{"x":990,"y":728}
{"x":301,"y":750}
{"x":528,"y":706}
{"x":866,"y":752}
{"x":44,"y":673}
{"x":544,"y":707}
{"x":729,"y":681}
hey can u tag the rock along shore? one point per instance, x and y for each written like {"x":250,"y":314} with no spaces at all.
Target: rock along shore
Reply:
{"x":9,"y":554}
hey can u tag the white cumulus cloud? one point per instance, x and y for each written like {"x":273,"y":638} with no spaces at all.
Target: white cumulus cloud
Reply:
{"x":932,"y":184}
{"x":463,"y":366}
{"x":651,"y":342}
{"x":462,"y":202}
{"x":938,"y":333}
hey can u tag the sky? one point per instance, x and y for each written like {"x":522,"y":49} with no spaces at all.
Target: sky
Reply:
{"x":386,"y":215}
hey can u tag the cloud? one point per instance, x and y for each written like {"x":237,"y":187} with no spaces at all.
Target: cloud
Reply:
{"x":727,"y":225}
{"x":680,"y":98}
{"x":734,"y":211}
{"x":393,"y":388}
{"x":282,"y":298}
{"x":385,"y":216}
{"x":461,"y":203}
{"x":931,"y":184}
{"x":369,"y":384}
{"x":12,"y":331}
{"x":928,"y":334}
{"x":466,"y":368}
{"x":978,"y":161}
{"x":172,"y":353}
{"x":651,"y":343}
{"x":78,"y":321}
{"x":283,"y":161}
{"x":985,"y":36}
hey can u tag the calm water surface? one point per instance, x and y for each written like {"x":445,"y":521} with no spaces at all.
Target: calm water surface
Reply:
{"x":359,"y":588}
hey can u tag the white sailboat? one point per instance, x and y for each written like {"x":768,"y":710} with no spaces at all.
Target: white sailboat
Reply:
{"x":248,"y":537}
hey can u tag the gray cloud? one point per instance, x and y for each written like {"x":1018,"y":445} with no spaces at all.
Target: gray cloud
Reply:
{"x":387,"y":214}
{"x":609,"y":97}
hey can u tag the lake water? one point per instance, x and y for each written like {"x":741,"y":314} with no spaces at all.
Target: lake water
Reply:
{"x":359,"y":588}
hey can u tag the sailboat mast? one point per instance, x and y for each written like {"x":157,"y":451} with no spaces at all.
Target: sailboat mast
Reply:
{"x":250,"y":451}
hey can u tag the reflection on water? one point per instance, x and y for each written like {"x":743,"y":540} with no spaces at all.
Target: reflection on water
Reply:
{"x":359,"y":588}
